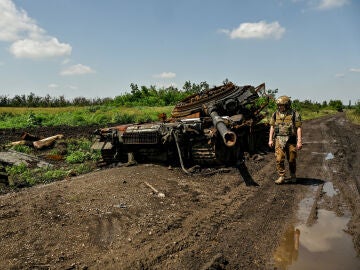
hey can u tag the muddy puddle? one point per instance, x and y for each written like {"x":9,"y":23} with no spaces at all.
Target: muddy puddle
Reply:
{"x":322,"y":245}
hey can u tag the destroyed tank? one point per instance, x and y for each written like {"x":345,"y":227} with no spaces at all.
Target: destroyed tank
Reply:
{"x":212,"y":128}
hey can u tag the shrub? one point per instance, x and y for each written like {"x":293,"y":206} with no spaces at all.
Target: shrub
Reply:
{"x":22,"y":148}
{"x":95,"y":155}
{"x":123,"y":118}
{"x":83,"y":168}
{"x":145,"y":118}
{"x":357,"y":108}
{"x":102,"y":119}
{"x":33,"y":120}
{"x":93,"y":109}
{"x":5,"y":115}
{"x":337,"y":105}
{"x":51,"y":175}
{"x":77,"y":157}
{"x":16,"y":169}
{"x":20,"y":175}
{"x":78,"y":120}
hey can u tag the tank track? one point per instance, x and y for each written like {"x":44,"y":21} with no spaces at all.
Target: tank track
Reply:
{"x":204,"y":154}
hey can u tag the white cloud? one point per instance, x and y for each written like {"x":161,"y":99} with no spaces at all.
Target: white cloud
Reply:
{"x":354,"y":69}
{"x":15,"y":23}
{"x":73,"y":87}
{"x":53,"y":85}
{"x":34,"y":49}
{"x":166,"y":75}
{"x":329,"y":4}
{"x":29,"y":40}
{"x":259,"y":30}
{"x":162,"y":85}
{"x":78,"y":69}
{"x":339,"y":75}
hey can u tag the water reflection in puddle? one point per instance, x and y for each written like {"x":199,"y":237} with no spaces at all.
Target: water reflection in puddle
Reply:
{"x":329,"y":189}
{"x":324,"y":245}
{"x":329,"y":156}
{"x":288,"y":251}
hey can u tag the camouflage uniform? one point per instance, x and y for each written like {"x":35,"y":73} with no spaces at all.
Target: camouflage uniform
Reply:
{"x":285,"y":125}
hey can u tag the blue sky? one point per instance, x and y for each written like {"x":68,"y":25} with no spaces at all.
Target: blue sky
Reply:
{"x":308,"y":49}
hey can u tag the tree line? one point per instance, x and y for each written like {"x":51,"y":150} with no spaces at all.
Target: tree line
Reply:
{"x":308,"y":105}
{"x":138,"y":96}
{"x":147,"y":96}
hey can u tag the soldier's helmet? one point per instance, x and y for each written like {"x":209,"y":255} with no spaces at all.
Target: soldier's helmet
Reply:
{"x":283,"y":100}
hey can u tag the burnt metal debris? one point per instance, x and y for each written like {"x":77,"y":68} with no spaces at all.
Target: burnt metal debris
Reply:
{"x":213,"y":128}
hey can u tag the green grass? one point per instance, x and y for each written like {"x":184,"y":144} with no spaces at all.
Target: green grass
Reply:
{"x":22,"y":149}
{"x":20,"y":175}
{"x":104,"y":115}
{"x":79,"y":159}
{"x":307,"y":114}
{"x":78,"y":116}
{"x":353,"y":116}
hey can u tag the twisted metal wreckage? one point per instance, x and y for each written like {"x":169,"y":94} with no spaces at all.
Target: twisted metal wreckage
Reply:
{"x":213,"y":128}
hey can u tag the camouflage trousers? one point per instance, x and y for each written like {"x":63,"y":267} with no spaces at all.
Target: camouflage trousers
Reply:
{"x":288,"y":151}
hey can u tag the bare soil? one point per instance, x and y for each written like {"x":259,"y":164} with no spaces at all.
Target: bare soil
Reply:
{"x":111,"y":219}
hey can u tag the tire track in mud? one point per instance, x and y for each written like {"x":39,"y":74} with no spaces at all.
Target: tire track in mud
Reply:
{"x":257,"y":219}
{"x":314,"y":152}
{"x":218,"y":223}
{"x":345,"y":169}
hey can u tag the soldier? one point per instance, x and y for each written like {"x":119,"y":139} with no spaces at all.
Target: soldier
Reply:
{"x":285,"y":133}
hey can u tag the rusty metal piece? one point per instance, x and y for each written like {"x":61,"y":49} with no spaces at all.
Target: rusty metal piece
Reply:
{"x":227,"y":97}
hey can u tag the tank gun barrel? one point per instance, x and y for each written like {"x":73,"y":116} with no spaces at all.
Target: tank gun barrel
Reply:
{"x":228,"y":136}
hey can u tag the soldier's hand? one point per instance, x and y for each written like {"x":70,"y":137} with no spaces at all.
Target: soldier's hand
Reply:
{"x":271,"y":143}
{"x":298,"y":145}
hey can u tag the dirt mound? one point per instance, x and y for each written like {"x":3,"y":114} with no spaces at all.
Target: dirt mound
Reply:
{"x":111,"y":219}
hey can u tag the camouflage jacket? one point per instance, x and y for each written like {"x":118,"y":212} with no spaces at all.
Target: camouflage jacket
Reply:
{"x":286,"y":124}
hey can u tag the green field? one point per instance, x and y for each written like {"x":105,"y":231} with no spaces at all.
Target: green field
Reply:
{"x":20,"y":117}
{"x":354,"y":115}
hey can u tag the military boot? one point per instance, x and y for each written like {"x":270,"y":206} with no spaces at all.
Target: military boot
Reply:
{"x":280,"y":180}
{"x":292,"y":178}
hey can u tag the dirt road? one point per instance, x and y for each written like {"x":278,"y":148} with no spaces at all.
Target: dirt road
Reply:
{"x":111,"y":219}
